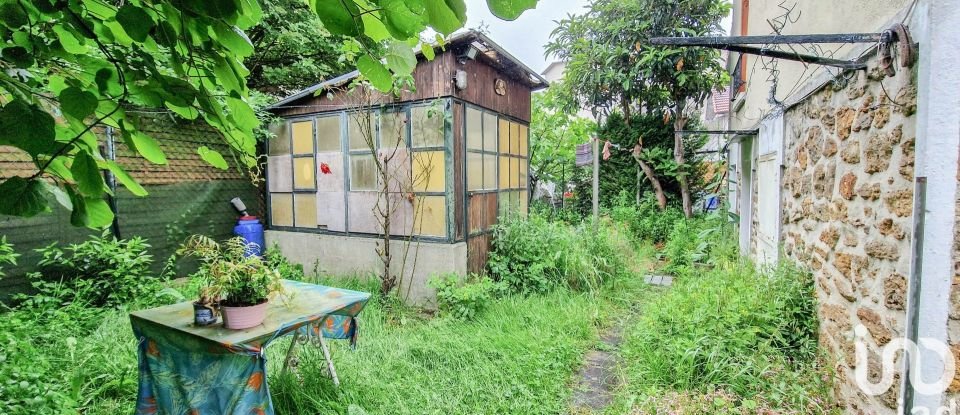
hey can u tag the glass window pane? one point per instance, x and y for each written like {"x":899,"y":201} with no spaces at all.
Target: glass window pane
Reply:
{"x":523,"y":203}
{"x":490,"y":131}
{"x":428,"y":171}
{"x":514,"y":201}
{"x":474,"y":129}
{"x":302,"y":137}
{"x":503,"y":202}
{"x":305,"y":210}
{"x":474,"y":171}
{"x":523,"y":174}
{"x":514,"y":172}
{"x":524,"y":140}
{"x":504,"y":136}
{"x":328,"y":133}
{"x":514,"y":138}
{"x":281,"y":209}
{"x":303,"y":172}
{"x":280,"y":143}
{"x":393,"y":131}
{"x":504,"y":172}
{"x":363,"y":172}
{"x":489,"y":172}
{"x":431,"y":215}
{"x":361,"y":127}
{"x":427,"y":126}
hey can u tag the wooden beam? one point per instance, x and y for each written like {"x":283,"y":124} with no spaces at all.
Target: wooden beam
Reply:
{"x":712,"y":41}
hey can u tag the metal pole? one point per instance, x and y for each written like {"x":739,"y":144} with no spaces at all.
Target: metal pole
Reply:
{"x":596,"y":183}
{"x":112,"y":184}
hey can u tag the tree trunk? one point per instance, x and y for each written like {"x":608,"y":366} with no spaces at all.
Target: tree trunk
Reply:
{"x":654,"y":182}
{"x":680,"y":121}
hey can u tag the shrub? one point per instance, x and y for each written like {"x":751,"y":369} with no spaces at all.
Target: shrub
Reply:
{"x":463,"y":300}
{"x":535,"y":255}
{"x":100,"y":272}
{"x":276,"y":260}
{"x":646,"y":221}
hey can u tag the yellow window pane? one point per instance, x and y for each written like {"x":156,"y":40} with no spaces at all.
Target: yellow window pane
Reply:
{"x":328,"y":133}
{"x":281,"y":209}
{"x":302,"y":137}
{"x":504,"y":136}
{"x":431,"y":215}
{"x":504,"y":172}
{"x":514,"y":138}
{"x":524,"y":203}
{"x":303,"y":172}
{"x":489,"y":172}
{"x":363,"y":172}
{"x":524,"y":140}
{"x":362,"y":126}
{"x":280,"y":143}
{"x":514,"y":173}
{"x":474,"y":129}
{"x":426,"y":124}
{"x":428,"y":171}
{"x":305,"y":210}
{"x":474,"y":171}
{"x":490,"y":131}
{"x":523,"y":173}
{"x":393,"y":131}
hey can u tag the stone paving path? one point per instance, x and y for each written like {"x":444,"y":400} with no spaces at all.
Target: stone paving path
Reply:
{"x":597,"y":378}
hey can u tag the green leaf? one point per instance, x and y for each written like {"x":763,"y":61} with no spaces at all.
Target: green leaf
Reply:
{"x":18,"y":56}
{"x":338,"y":16}
{"x":98,"y":213}
{"x":400,"y":58}
{"x":374,"y":28}
{"x":213,"y":157}
{"x":510,"y":9}
{"x":87,"y":174}
{"x":446,"y":16}
{"x":135,"y":21}
{"x":59,"y":195}
{"x":12,"y":15}
{"x":22,"y":197}
{"x":70,"y":43}
{"x":28,"y":128}
{"x":402,"y":22}
{"x":78,"y":215}
{"x":145,"y":145}
{"x":374,"y":71}
{"x":77,"y":102}
{"x":234,"y":39}
{"x":125,"y":179}
{"x":242,"y":114}
{"x":427,"y":50}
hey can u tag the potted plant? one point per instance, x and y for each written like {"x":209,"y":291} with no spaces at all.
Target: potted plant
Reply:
{"x":240,"y":284}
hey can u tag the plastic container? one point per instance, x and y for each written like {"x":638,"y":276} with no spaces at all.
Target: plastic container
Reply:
{"x":251,"y":230}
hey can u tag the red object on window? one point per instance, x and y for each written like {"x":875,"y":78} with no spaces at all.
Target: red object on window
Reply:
{"x":324,"y":168}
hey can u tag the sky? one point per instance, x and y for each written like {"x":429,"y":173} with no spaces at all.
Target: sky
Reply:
{"x":524,"y":37}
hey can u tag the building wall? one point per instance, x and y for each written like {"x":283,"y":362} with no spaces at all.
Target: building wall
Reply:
{"x":350,"y":255}
{"x":811,"y":17}
{"x":846,"y":214}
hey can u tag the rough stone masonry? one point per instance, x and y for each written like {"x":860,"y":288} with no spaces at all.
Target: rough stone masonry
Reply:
{"x":846,"y":215}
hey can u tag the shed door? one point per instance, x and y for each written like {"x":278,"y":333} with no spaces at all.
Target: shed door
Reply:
{"x":768,"y":190}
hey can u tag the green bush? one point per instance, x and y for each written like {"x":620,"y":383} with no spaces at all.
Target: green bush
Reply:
{"x":535,"y":255}
{"x":463,"y":300}
{"x":646,"y":221}
{"x":749,"y":332}
{"x":100,"y":272}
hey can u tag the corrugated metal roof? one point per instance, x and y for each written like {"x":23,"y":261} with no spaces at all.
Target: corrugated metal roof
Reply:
{"x":309,"y":91}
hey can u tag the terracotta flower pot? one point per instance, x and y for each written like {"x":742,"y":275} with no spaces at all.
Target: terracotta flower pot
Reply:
{"x":237,"y":318}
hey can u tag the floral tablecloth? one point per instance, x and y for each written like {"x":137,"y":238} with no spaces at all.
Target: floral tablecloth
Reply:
{"x":187,"y":369}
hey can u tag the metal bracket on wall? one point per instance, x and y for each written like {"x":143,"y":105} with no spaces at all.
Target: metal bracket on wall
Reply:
{"x":897,"y":33}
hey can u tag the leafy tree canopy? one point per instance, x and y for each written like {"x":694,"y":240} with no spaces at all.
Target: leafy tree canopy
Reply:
{"x":554,"y":135}
{"x":72,"y":65}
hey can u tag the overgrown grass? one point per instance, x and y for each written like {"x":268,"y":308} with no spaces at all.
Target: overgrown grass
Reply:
{"x":517,"y":356}
{"x":729,"y":340}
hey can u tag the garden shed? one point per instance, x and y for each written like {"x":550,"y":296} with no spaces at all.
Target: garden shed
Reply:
{"x":455,"y":151}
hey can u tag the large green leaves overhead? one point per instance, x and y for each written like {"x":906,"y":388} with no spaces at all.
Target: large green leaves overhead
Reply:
{"x":339,"y":17}
{"x":510,"y":9}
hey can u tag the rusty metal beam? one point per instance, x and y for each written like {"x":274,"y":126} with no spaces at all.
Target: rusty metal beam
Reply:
{"x":714,"y":41}
{"x":799,"y":57}
{"x":719,"y":132}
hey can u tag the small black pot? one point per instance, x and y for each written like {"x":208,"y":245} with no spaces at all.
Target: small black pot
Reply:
{"x":204,"y":314}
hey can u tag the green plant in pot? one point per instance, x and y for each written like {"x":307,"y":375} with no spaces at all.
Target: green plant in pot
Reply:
{"x":239,"y":284}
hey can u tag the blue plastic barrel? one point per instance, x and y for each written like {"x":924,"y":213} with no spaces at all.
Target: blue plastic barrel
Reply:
{"x":251,"y":230}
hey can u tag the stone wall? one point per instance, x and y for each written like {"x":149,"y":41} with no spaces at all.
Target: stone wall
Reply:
{"x":846,"y":206}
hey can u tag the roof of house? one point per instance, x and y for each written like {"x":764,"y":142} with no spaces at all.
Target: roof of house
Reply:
{"x":490,"y":51}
